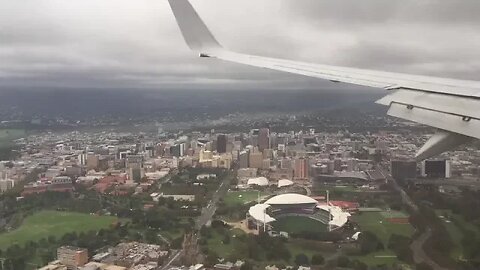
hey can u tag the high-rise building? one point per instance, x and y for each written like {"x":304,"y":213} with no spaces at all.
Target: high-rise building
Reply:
{"x":266,"y":164}
{"x":222,"y":143}
{"x":436,"y":169}
{"x":178,"y":150}
{"x":263,"y":139}
{"x":243,"y":159}
{"x":301,"y":169}
{"x":403,"y":169}
{"x":256,"y":159}
{"x":136,"y":174}
{"x":92,"y":162}
{"x":286,"y":163}
{"x":82,"y":159}
{"x":134,"y":161}
{"x":6,"y":184}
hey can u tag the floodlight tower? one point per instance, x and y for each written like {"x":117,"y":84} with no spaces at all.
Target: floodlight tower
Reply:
{"x":329,"y":211}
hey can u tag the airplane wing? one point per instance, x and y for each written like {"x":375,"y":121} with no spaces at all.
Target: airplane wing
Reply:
{"x":452,"y":106}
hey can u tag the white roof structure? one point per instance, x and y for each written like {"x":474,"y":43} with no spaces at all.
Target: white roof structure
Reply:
{"x":258,"y":212}
{"x":290,"y":198}
{"x":284,"y":183}
{"x":355,"y":236}
{"x":339,"y":217}
{"x":259,"y":181}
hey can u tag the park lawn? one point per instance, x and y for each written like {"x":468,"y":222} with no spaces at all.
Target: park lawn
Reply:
{"x":8,"y":135}
{"x":242,"y":197}
{"x":215,"y":243}
{"x":376,"y":223}
{"x":309,"y":248}
{"x":297,"y":224}
{"x":452,"y":222}
{"x":52,"y":223}
{"x":385,"y":257}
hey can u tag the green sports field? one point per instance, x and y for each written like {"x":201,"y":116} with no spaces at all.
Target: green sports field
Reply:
{"x":293,"y":224}
{"x":241,"y":197}
{"x":52,"y":223}
{"x":376,"y":222}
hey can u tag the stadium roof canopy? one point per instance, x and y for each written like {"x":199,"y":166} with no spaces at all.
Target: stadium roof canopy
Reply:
{"x":339,"y":217}
{"x":259,"y":181}
{"x":290,"y":198}
{"x":284,"y":183}
{"x":258,"y":212}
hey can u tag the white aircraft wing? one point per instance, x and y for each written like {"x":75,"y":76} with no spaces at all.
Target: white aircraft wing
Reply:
{"x":452,"y":106}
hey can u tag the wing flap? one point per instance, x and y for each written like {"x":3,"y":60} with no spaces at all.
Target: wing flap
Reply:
{"x":455,"y":105}
{"x":445,"y":121}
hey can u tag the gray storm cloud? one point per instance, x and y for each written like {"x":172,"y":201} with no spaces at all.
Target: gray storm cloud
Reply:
{"x":120,"y":43}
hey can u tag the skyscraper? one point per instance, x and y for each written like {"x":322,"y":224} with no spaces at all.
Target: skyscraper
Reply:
{"x":221,"y":143}
{"x":243,"y":159}
{"x":264,"y":139}
{"x":301,"y":169}
{"x":256,"y":160}
{"x":403,"y":169}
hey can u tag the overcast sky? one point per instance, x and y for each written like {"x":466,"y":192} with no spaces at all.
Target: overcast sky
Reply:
{"x":137,"y":44}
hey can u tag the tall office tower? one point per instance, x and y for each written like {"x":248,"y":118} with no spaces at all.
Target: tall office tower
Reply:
{"x":301,"y":169}
{"x":436,"y":168}
{"x":92,"y":161}
{"x":253,"y":140}
{"x":403,"y":169}
{"x":222,"y":143}
{"x":256,"y":160}
{"x":82,"y":160}
{"x":286,"y":163}
{"x":178,"y":150}
{"x":263,"y":139}
{"x":243,"y":160}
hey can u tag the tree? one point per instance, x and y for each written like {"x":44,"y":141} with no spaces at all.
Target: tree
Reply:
{"x":401,"y":246}
{"x":369,"y":242}
{"x":151,"y":236}
{"x":318,"y":259}
{"x":226,"y":239}
{"x":211,"y":259}
{"x":247,"y":265}
{"x":301,"y":259}
{"x":343,"y":261}
{"x":423,"y":266}
{"x":358,"y":265}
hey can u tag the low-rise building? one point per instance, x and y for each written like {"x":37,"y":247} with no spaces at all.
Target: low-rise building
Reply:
{"x":72,"y":257}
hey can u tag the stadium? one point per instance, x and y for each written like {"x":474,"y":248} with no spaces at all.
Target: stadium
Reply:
{"x":287,"y":211}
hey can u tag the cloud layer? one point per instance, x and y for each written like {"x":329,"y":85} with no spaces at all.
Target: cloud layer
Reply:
{"x":136,"y":44}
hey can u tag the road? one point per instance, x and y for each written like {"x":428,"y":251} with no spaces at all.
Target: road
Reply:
{"x":207,"y":212}
{"x":205,"y":218}
{"x":173,"y":257}
{"x":419,"y":254}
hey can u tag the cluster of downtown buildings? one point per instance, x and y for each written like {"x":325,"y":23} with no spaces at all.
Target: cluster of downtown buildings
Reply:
{"x":127,"y":161}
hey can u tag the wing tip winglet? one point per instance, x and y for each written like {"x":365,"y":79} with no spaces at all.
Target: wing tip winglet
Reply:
{"x":195,"y":32}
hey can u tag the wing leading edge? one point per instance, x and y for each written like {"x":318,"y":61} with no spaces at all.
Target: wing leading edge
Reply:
{"x":449,"y":105}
